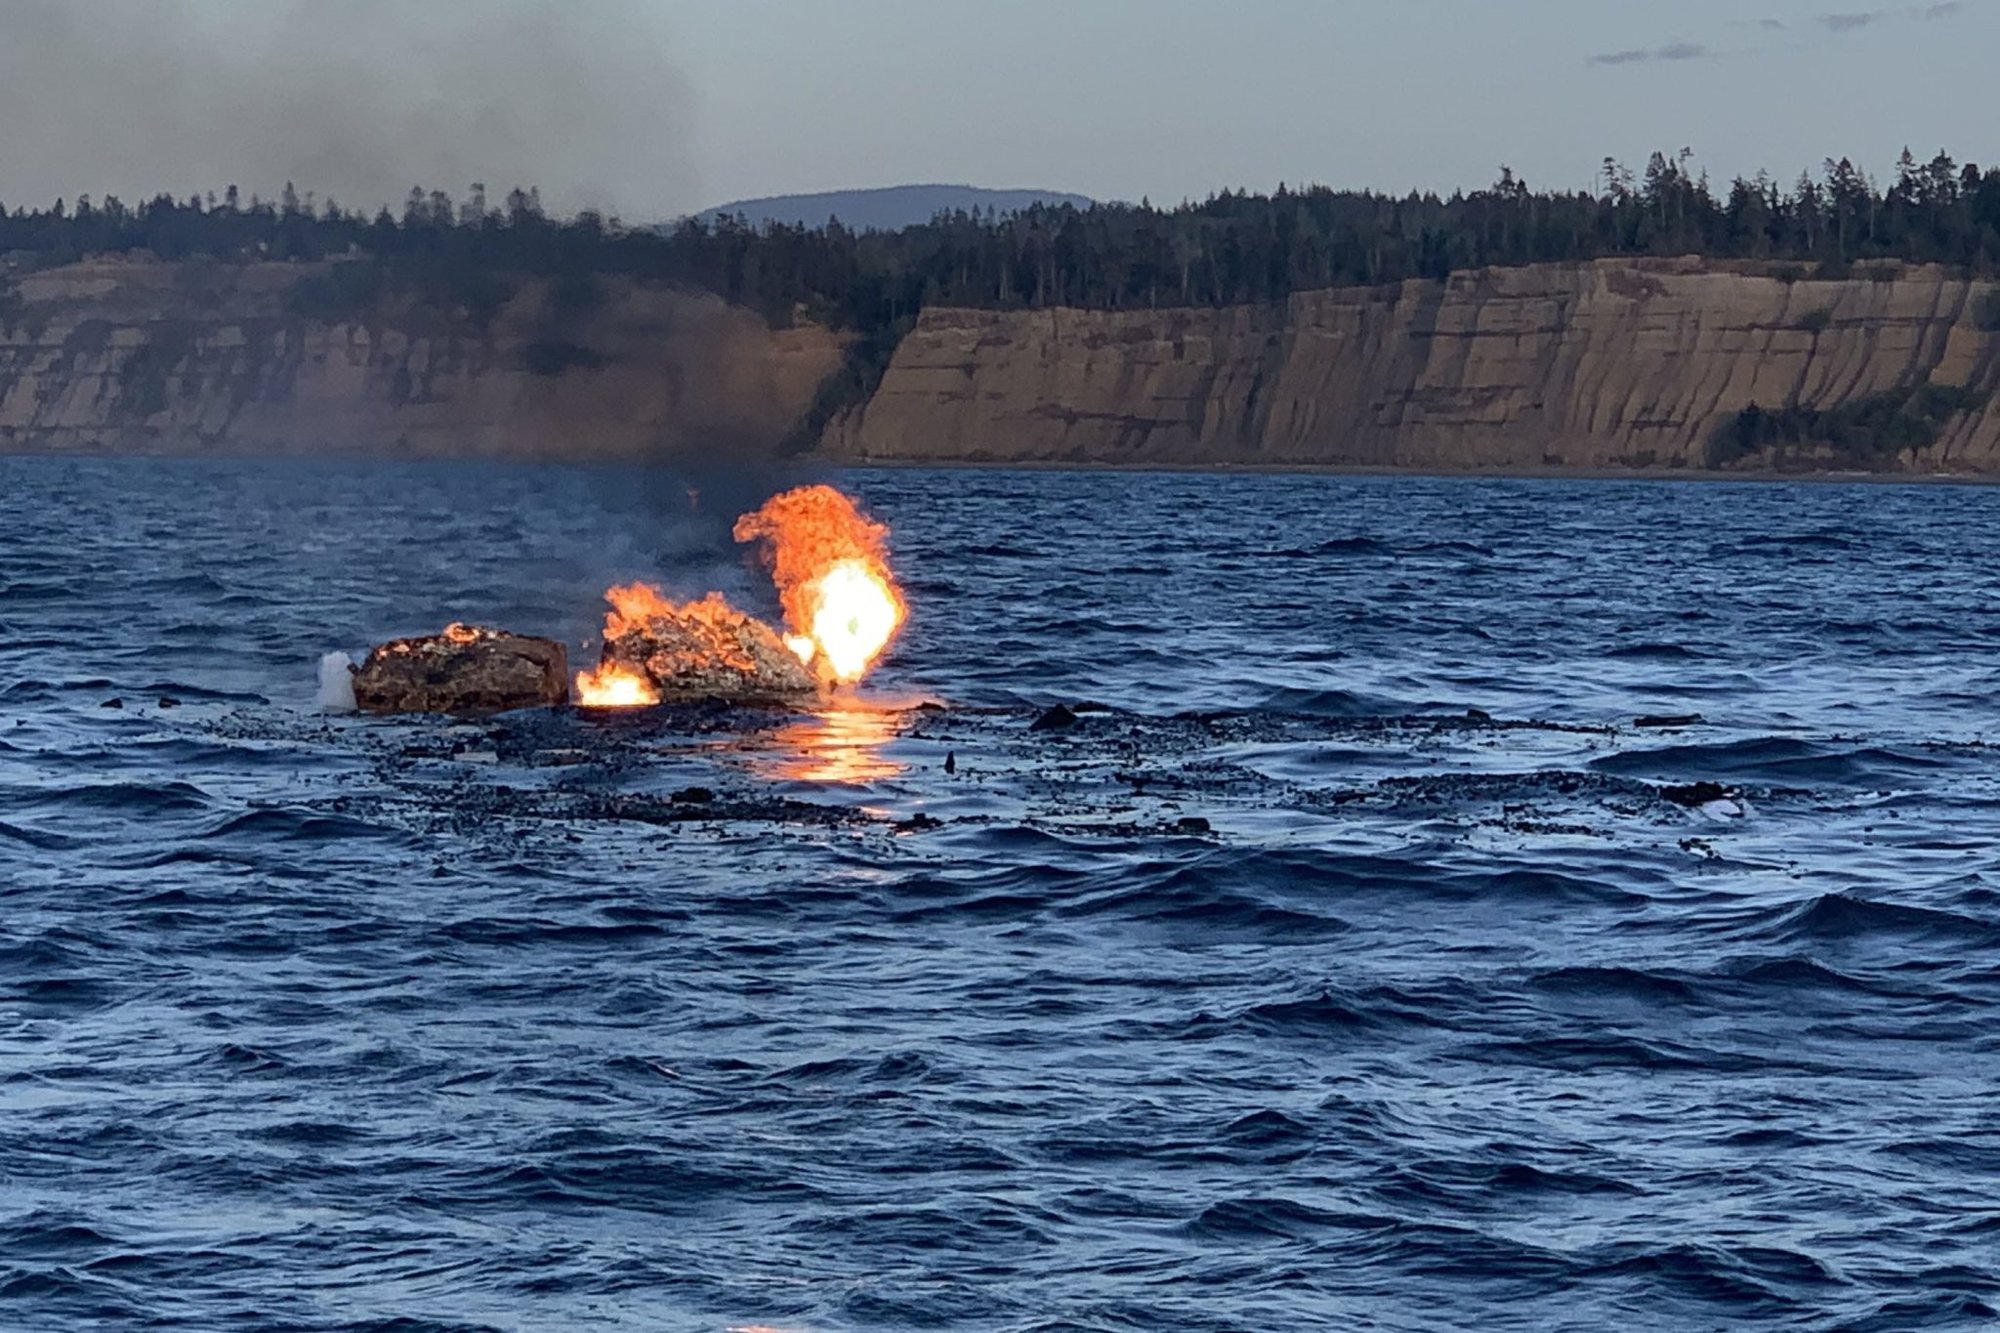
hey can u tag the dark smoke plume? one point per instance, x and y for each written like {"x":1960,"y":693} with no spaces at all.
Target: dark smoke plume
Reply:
{"x":359,"y":100}
{"x":354,"y":99}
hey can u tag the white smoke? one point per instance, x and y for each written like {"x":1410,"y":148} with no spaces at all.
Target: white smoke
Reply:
{"x":336,"y":683}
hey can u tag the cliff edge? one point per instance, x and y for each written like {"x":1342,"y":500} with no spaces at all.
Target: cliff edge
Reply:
{"x":136,"y":355}
{"x":1611,"y":364}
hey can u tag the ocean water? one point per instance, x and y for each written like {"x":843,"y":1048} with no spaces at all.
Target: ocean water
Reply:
{"x":1355,"y":960}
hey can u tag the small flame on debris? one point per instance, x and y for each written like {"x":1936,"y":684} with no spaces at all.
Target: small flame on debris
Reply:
{"x":614,"y":686}
{"x":842,"y":605}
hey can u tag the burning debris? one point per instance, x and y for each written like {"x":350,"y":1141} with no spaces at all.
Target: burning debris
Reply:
{"x":466,"y":669}
{"x":841,"y":606}
{"x":658,"y":651}
{"x":841,"y":609}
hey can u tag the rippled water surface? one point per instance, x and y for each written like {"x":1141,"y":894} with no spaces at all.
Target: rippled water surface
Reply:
{"x":1356,"y":961}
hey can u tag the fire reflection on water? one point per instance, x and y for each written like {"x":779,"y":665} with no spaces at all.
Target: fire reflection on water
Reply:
{"x":842,"y":742}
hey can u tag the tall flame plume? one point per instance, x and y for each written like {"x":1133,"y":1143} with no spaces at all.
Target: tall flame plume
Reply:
{"x":829,"y":561}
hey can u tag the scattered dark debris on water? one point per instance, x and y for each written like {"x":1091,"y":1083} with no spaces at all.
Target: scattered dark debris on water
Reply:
{"x":709,"y":769}
{"x":1514,"y":793}
{"x":469,"y":807}
{"x":1551,"y":828}
{"x":1059,"y":718}
{"x":1668,"y":721}
{"x":1204,"y":777}
{"x":743,"y":809}
{"x":1694,"y":794}
{"x":1262,"y":725}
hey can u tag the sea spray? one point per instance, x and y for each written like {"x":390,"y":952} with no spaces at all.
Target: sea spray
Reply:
{"x":336,"y":683}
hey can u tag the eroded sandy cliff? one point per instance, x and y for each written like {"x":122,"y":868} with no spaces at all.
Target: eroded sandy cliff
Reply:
{"x":123,"y":355}
{"x":1607,"y":365}
{"x":1604,"y":365}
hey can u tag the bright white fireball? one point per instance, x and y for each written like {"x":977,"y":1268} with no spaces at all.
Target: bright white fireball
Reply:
{"x":854,"y":615}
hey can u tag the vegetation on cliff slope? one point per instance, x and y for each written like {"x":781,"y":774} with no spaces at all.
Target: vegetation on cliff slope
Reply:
{"x":1864,"y":431}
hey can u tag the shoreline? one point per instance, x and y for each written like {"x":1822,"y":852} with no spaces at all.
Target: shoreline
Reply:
{"x":1521,"y":473}
{"x":810,"y":461}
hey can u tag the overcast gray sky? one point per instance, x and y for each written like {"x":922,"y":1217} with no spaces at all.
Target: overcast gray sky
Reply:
{"x":654,"y":107}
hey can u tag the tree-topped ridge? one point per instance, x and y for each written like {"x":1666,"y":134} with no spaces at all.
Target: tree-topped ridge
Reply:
{"x":886,"y":208}
{"x":1231,"y":248}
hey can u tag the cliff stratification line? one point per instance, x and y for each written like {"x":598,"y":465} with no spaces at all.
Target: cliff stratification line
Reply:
{"x":1611,"y":364}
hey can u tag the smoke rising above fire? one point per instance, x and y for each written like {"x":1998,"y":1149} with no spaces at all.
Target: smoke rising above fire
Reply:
{"x":358,"y":100}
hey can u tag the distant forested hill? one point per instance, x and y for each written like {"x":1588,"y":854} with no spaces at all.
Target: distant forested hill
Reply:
{"x":888,"y":209}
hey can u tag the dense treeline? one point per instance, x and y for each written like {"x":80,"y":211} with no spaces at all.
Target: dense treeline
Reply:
{"x":1243,"y":247}
{"x":1233,"y":247}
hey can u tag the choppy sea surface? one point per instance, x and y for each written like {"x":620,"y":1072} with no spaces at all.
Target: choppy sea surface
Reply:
{"x":1354,"y":960}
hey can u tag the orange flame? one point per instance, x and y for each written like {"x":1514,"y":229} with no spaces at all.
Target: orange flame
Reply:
{"x":707,"y":633}
{"x":632,"y":605}
{"x":841,"y":604}
{"x":614,"y":686}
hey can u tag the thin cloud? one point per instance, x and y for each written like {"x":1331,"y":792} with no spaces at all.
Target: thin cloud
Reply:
{"x":1644,"y":55}
{"x":1866,"y":17}
{"x":1836,"y":24}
